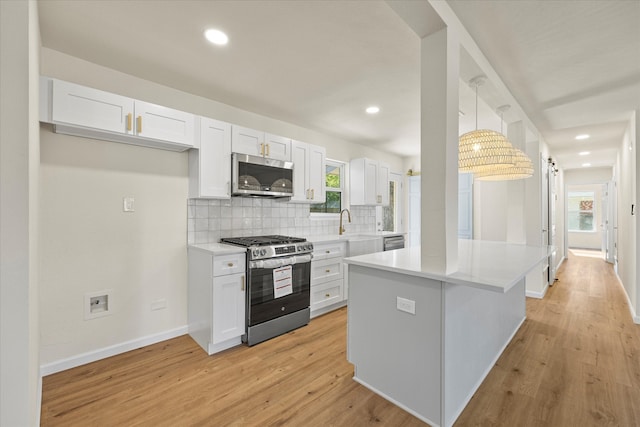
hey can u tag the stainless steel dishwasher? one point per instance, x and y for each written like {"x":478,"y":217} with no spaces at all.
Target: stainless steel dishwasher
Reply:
{"x":393,"y":242}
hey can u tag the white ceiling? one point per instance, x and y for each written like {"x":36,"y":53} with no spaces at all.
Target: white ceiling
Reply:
{"x":574,"y":66}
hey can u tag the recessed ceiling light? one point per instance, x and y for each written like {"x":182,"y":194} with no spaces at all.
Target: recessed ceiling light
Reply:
{"x":584,"y":153}
{"x":583,"y":136}
{"x":216,"y":36}
{"x":373,"y":109}
{"x":586,"y":165}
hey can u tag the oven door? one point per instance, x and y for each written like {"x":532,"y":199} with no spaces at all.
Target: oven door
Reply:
{"x":262,"y":304}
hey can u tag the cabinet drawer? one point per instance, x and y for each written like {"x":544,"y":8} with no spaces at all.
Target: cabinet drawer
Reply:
{"x":228,"y":264}
{"x":326,"y":294}
{"x":325,"y":251}
{"x":326,"y":270}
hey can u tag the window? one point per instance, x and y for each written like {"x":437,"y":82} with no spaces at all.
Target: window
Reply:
{"x":580,"y":210}
{"x":334,"y":186}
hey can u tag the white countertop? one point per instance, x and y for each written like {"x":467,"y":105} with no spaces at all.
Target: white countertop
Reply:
{"x":495,"y":266}
{"x":326,"y":238}
{"x":218,"y":248}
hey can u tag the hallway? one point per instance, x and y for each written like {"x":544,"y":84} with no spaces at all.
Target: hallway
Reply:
{"x":574,"y":362}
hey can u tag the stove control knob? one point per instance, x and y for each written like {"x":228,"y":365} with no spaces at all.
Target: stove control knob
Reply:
{"x":254,"y":253}
{"x":263,"y":252}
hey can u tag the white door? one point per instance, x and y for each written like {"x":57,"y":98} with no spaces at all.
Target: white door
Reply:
{"x":608,"y":232}
{"x":389,"y":217}
{"x":465,"y":206}
{"x":414,"y":212}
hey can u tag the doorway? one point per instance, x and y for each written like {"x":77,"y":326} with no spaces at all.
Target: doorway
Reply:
{"x":589,"y":229}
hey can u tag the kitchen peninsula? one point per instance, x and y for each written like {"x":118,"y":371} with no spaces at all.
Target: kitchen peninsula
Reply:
{"x":426,"y":340}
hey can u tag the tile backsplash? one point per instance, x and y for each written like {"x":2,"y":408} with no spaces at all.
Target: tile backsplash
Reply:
{"x":209,"y":220}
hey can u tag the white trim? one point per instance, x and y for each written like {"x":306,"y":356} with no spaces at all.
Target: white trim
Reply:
{"x":92,"y":356}
{"x":634,"y":316}
{"x":538,"y":295}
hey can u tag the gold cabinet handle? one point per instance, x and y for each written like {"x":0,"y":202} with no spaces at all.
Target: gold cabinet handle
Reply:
{"x":230,"y":264}
{"x":307,"y":194}
{"x":327,"y":271}
{"x":313,"y":193}
{"x":268,"y":151}
{"x":129,"y":121}
{"x":262,"y":149}
{"x":139,"y":124}
{"x":242,"y":283}
{"x":328,"y":252}
{"x":327,"y":295}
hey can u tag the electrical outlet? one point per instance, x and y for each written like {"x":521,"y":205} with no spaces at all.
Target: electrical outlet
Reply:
{"x":406,"y":305}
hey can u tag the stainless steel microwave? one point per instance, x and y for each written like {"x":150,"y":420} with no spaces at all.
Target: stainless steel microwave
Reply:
{"x":254,"y":176}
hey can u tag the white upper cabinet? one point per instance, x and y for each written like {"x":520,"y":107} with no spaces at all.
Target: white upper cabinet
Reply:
{"x":257,"y":143}
{"x":210,"y":165}
{"x":88,"y":112}
{"x":369,"y":182}
{"x":308,"y":172}
{"x":84,"y":106}
{"x":165,"y":124}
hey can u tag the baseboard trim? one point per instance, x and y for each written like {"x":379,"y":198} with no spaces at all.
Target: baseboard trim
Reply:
{"x":634,"y":316}
{"x":537,"y":295}
{"x":103,"y":353}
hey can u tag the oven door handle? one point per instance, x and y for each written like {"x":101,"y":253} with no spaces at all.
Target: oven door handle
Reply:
{"x":280,"y":262}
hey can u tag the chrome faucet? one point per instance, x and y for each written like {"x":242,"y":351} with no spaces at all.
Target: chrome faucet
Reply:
{"x":341,"y":229}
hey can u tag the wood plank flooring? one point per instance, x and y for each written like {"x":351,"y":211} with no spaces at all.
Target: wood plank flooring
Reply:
{"x":574,"y":362}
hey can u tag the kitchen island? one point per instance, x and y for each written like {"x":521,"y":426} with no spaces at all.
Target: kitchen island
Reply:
{"x":426,"y":340}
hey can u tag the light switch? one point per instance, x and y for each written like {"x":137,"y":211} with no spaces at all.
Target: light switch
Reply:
{"x":128,"y":204}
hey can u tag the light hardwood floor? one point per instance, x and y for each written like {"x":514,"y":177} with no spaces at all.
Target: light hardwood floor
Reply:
{"x":574,"y":362}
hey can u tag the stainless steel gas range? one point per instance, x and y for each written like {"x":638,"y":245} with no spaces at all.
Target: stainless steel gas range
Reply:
{"x":278,"y":284}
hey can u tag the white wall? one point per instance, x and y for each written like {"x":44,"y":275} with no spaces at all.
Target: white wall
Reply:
{"x":628,"y":158}
{"x":19,"y":158}
{"x":89,"y":244}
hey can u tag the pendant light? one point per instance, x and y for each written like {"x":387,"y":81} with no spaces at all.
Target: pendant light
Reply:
{"x":483,"y":151}
{"x":522,"y":168}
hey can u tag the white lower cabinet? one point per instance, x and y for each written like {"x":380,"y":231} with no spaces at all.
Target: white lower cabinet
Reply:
{"x":327,"y":278}
{"x":216,"y":299}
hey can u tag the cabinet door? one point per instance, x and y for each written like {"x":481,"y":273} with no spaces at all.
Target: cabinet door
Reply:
{"x":212,"y":172}
{"x":370,"y":182}
{"x":300,"y":159}
{"x":92,"y":108}
{"x":165,"y":124}
{"x":382,"y":197}
{"x":228,"y":307}
{"x":277,"y":147}
{"x":247,"y":141}
{"x":316,"y":171}
{"x":326,"y":270}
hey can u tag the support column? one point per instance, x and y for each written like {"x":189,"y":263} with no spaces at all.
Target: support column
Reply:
{"x":516,"y":133}
{"x":440,"y":76}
